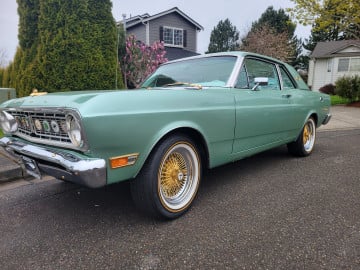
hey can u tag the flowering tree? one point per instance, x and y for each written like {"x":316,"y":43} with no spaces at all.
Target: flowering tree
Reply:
{"x":141,"y":60}
{"x":265,"y":40}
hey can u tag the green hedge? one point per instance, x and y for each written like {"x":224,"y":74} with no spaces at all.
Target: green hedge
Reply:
{"x":348,"y":87}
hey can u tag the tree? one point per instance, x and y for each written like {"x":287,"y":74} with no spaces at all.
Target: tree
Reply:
{"x":265,"y":40}
{"x":2,"y":66}
{"x":21,"y":73}
{"x":65,"y":45}
{"x":331,"y":33}
{"x":224,"y":37}
{"x":121,"y":39}
{"x":277,"y":20}
{"x":340,"y":16}
{"x":141,"y":60}
{"x":77,"y":48}
{"x":3,"y":57}
{"x":278,"y":30}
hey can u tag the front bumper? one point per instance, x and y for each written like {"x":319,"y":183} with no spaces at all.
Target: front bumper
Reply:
{"x":63,"y":165}
{"x":326,"y":119}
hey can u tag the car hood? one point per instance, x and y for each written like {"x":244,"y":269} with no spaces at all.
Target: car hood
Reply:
{"x":60,"y":99}
{"x":104,"y":102}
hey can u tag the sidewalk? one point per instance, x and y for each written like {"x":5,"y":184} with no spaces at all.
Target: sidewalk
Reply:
{"x":343,"y":118}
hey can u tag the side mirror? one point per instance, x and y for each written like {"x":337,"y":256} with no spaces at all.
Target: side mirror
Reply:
{"x":260,"y":81}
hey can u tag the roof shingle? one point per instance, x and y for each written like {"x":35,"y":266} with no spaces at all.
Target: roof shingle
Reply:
{"x":330,"y":48}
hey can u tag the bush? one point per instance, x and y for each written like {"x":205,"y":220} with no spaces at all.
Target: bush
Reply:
{"x":328,"y":89}
{"x":348,"y":87}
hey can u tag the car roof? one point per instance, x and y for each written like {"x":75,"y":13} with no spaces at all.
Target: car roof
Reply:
{"x":231,"y":53}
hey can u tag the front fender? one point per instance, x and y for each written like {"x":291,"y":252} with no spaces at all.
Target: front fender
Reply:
{"x":170,"y":129}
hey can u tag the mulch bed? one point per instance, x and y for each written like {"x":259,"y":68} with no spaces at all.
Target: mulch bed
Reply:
{"x":354,"y":104}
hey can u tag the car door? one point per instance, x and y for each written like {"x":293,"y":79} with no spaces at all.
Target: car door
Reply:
{"x":298,"y":101}
{"x":262,"y":112}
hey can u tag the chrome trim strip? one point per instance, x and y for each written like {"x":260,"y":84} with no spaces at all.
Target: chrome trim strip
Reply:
{"x":90,"y":172}
{"x":235,"y":72}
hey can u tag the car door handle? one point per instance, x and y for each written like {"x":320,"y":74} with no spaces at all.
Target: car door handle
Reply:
{"x":286,"y":96}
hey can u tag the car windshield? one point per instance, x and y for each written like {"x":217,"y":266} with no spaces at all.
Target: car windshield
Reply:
{"x":208,"y":72}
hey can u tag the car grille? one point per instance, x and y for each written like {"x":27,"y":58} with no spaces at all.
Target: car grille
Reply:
{"x":47,"y":126}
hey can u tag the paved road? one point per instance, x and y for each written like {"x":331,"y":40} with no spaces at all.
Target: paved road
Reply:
{"x":270,"y":211}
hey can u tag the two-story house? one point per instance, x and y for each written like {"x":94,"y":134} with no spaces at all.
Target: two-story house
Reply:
{"x":332,"y":60}
{"x":177,"y":30}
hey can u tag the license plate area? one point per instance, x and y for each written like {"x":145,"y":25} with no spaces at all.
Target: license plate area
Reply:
{"x":31,"y":167}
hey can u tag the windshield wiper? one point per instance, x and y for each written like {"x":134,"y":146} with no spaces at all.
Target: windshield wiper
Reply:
{"x":188,"y":85}
{"x":176,"y":84}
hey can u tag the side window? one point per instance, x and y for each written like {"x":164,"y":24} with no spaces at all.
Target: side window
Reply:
{"x":242,"y":80}
{"x":260,"y":69}
{"x":286,"y":79}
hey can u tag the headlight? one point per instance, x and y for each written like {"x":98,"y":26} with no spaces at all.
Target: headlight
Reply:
{"x":74,"y":130}
{"x":7,"y":122}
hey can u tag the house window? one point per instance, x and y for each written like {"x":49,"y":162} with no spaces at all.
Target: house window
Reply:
{"x":343,"y":64}
{"x":349,"y":64}
{"x":173,"y":36}
{"x":355,"y":64}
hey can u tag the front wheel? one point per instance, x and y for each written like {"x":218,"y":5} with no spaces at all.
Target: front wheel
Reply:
{"x":304,"y":144}
{"x":169,"y":180}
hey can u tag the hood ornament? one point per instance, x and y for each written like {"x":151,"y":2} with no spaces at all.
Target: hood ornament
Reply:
{"x":36,"y":92}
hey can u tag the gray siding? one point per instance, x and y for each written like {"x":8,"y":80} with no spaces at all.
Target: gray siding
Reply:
{"x":139,"y":31}
{"x":173,"y":20}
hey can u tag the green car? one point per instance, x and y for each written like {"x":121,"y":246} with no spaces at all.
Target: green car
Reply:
{"x":189,"y":115}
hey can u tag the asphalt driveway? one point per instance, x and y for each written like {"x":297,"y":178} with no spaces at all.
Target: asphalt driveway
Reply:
{"x":270,"y":211}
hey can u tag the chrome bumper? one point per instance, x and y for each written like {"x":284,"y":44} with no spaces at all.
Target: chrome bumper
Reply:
{"x":60,"y":164}
{"x":327,"y":119}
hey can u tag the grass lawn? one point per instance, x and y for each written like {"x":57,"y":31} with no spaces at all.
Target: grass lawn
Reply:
{"x":337,"y":100}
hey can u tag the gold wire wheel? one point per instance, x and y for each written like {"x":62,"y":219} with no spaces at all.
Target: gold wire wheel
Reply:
{"x":306,"y":134}
{"x":173,"y":175}
{"x":178,"y":176}
{"x":309,"y":135}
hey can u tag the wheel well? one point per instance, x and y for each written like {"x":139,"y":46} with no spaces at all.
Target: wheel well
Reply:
{"x":197,"y":137}
{"x":315,"y":117}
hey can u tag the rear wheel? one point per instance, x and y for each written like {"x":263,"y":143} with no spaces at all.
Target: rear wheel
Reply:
{"x":304,"y":144}
{"x":169,"y":181}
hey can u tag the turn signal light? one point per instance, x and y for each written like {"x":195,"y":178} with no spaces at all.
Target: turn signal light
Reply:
{"x":122,"y":161}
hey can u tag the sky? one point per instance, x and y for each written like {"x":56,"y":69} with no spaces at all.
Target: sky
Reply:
{"x":240,"y":13}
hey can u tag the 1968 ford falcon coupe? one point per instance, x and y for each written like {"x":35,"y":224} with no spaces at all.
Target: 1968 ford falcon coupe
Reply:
{"x":189,"y":115}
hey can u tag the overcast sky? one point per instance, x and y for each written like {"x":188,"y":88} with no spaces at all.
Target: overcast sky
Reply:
{"x":207,"y":14}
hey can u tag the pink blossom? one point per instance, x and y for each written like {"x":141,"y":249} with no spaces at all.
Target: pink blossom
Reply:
{"x":141,"y":60}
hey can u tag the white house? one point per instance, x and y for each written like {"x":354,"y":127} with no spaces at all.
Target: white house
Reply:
{"x":332,"y":60}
